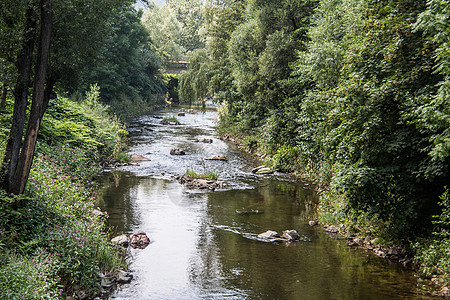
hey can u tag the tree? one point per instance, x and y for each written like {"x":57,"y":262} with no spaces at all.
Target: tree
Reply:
{"x":370,"y":133}
{"x":434,"y":115}
{"x":128,"y":71}
{"x":189,"y":15}
{"x":41,"y":22}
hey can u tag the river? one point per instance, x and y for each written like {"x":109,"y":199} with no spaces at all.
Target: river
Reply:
{"x":196,"y":249}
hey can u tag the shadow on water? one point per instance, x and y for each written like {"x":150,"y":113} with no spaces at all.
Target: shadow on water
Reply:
{"x":197,"y":250}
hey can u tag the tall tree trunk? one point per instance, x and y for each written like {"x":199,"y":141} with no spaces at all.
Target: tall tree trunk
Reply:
{"x":4,"y":94}
{"x":24,"y":63}
{"x":39,"y":103}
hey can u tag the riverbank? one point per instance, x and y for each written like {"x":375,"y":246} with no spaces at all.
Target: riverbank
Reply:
{"x":53,"y":239}
{"x":428,"y":256}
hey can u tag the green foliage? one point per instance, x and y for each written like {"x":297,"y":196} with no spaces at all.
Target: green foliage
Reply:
{"x":210,"y":175}
{"x":50,"y":239}
{"x":193,"y":85}
{"x":128,"y":71}
{"x":175,"y":28}
{"x":171,"y":85}
{"x":434,"y":114}
{"x":433,"y":257}
{"x":171,"y":119}
{"x":22,"y":276}
{"x":86,"y":125}
{"x":285,"y":159}
{"x":351,"y":94}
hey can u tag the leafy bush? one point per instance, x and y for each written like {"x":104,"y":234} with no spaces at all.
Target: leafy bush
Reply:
{"x":433,"y":257}
{"x":86,"y":125}
{"x":285,"y":158}
{"x":23,"y":277}
{"x":50,"y":239}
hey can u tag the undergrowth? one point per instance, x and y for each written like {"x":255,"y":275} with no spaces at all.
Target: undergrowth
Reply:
{"x":52,"y":241}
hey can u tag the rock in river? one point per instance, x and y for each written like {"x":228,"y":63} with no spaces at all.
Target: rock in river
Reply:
{"x":291,"y":235}
{"x":177,"y":152}
{"x":121,"y":240}
{"x":265,"y":171}
{"x":139,"y":240}
{"x":216,"y":157}
{"x":200,"y":183}
{"x":138,"y":158}
{"x":204,"y":140}
{"x":124,"y":277}
{"x":271,"y":236}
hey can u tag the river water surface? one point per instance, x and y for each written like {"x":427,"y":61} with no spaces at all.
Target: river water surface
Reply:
{"x":197,"y":250}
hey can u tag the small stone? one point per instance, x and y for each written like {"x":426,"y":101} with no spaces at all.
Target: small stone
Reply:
{"x":204,"y":140}
{"x":124,"y":277}
{"x":332,"y":229}
{"x":177,"y":152}
{"x":181,"y":114}
{"x":444,"y":292}
{"x":217,"y":157}
{"x":98,"y":213}
{"x":82,"y":295}
{"x":312,"y":223}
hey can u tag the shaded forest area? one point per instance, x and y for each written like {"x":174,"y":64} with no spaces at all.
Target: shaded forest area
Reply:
{"x":351,"y":94}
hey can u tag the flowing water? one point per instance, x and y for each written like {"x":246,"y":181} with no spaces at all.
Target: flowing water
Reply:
{"x":197,"y":249}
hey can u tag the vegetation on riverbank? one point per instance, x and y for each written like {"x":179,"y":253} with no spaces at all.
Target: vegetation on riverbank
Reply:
{"x":53,"y":241}
{"x":361,"y":107}
{"x":208,"y":175}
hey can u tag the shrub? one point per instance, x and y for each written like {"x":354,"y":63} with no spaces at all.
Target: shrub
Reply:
{"x":210,"y":175}
{"x":433,"y":256}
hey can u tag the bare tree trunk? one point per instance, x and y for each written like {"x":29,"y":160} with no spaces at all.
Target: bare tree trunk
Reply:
{"x":4,"y":94}
{"x":39,"y":103}
{"x":24,"y":63}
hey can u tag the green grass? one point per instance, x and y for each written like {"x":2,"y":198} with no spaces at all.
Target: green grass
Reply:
{"x":210,"y":175}
{"x":171,"y":119}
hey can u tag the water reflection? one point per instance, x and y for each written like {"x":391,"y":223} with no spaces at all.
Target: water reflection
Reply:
{"x":197,"y":250}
